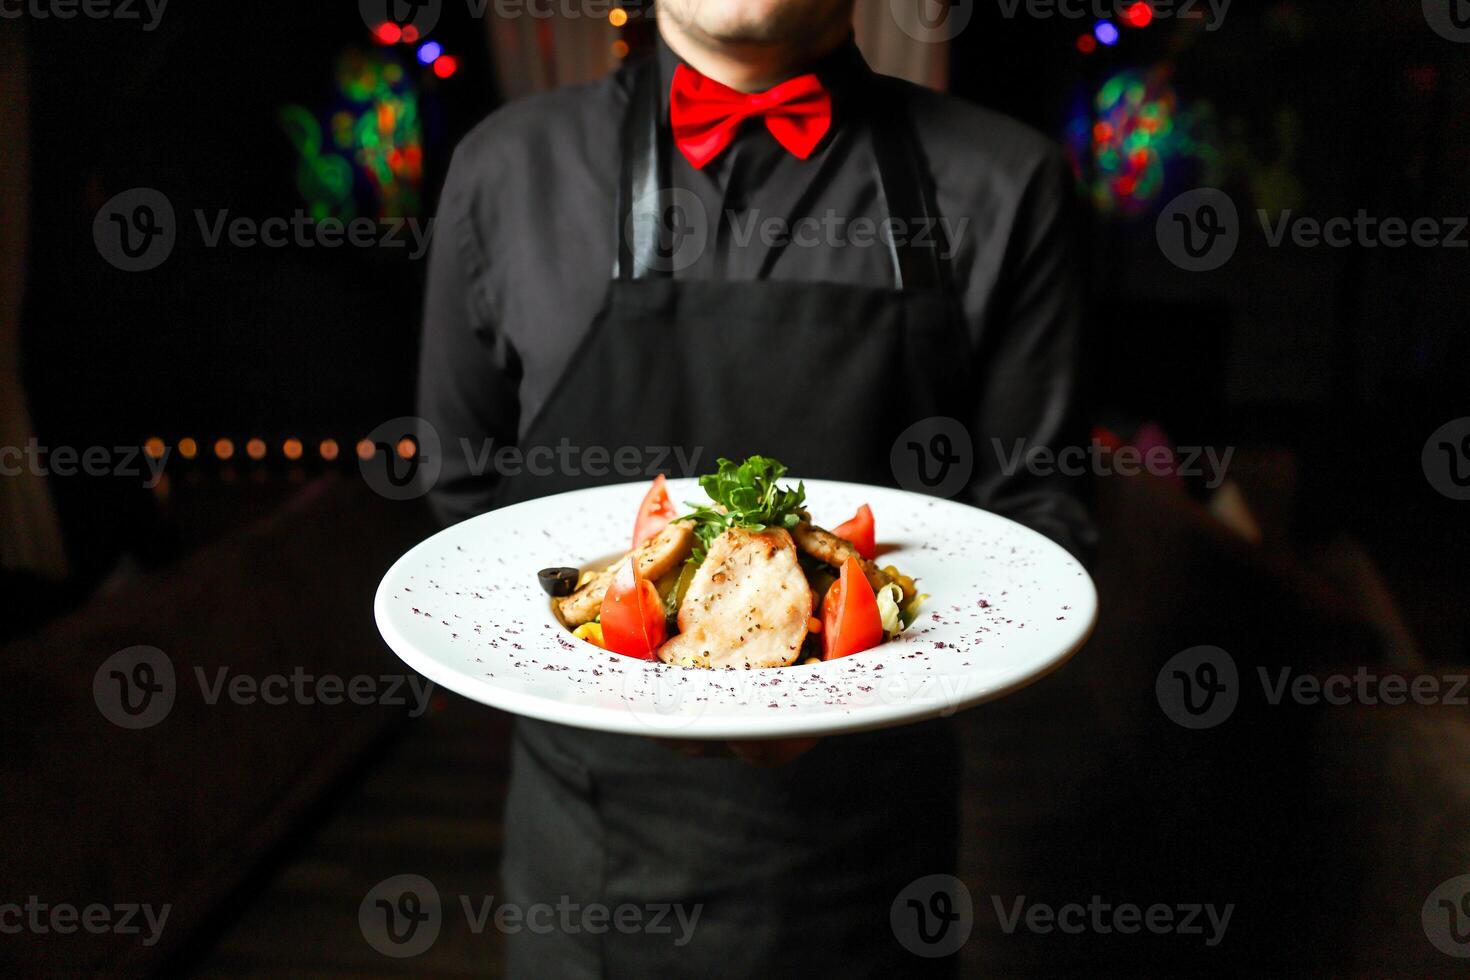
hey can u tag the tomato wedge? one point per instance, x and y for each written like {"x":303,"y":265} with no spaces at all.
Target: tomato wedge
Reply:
{"x":859,"y":532}
{"x":655,"y":512}
{"x":850,"y":619}
{"x":632,"y":615}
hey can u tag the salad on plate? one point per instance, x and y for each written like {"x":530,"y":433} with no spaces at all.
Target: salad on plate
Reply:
{"x":743,"y":580}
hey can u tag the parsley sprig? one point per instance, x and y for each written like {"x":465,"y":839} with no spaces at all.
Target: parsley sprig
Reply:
{"x":744,"y":496}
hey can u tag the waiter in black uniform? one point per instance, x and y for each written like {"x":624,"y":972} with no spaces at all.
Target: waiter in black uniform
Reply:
{"x":604,"y":275}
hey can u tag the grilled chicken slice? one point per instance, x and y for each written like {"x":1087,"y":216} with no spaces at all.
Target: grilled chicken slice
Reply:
{"x":747,"y":605}
{"x":829,"y":549}
{"x":657,"y":557}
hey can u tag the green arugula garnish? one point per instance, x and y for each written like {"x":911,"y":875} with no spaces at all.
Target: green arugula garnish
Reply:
{"x":744,"y":496}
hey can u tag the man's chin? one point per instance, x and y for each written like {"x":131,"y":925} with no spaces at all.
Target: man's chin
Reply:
{"x":752,"y":23}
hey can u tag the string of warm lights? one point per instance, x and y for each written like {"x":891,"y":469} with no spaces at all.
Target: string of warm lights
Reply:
{"x":618,"y":17}
{"x":258,"y":450}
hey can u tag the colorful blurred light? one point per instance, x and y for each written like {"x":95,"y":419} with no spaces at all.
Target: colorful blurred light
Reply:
{"x":1086,"y":43}
{"x":445,"y":66}
{"x":188,"y":448}
{"x":429,"y":51}
{"x":617,"y":17}
{"x":1133,"y":131}
{"x":1105,"y":32}
{"x":329,"y":449}
{"x":1138,"y":15}
{"x":388,"y":33}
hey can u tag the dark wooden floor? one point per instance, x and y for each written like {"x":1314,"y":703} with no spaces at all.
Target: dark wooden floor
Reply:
{"x":431,"y":806}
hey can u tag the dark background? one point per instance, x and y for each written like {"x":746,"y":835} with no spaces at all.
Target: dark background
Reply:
{"x":1327,"y":369}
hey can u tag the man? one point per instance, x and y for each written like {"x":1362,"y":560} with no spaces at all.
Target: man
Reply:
{"x":567,"y":306}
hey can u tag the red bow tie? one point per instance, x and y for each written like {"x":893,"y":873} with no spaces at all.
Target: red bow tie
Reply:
{"x":705,"y":114}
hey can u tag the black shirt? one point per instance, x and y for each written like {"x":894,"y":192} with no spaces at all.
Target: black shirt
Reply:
{"x":525,"y":244}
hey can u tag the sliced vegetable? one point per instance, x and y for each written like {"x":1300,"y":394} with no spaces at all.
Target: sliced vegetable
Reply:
{"x":632,"y":615}
{"x":591,"y":632}
{"x":888,"y":609}
{"x":558,"y":581}
{"x":859,"y":532}
{"x":655,"y":512}
{"x":850,"y":619}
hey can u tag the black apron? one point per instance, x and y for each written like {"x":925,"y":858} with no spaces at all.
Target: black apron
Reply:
{"x":793,"y":869}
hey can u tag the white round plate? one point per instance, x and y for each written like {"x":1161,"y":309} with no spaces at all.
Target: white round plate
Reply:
{"x":464,"y":609}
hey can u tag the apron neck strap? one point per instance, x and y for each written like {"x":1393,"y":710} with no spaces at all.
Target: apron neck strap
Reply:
{"x":645,"y":195}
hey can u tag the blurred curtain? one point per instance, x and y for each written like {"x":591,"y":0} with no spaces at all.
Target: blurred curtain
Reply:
{"x":31,"y":538}
{"x":536,"y":53}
